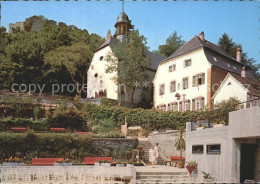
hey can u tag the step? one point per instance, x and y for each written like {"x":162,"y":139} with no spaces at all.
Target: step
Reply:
{"x":144,"y":175}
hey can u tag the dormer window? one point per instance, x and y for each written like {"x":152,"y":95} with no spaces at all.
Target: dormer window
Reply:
{"x":228,"y":65}
{"x":187,"y":63}
{"x":234,"y":68}
{"x":215,"y":59}
{"x":101,"y":58}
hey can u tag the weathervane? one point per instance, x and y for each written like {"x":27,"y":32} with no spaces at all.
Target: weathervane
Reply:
{"x":123,"y":5}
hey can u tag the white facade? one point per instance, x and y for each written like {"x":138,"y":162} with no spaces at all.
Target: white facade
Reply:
{"x":230,"y":87}
{"x":199,"y":65}
{"x":101,"y":83}
{"x":98,"y":78}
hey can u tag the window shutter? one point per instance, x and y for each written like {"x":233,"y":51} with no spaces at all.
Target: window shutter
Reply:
{"x":203,"y":78}
{"x":194,"y":81}
{"x":180,"y":107}
{"x":193,"y":104}
{"x":202,"y":103}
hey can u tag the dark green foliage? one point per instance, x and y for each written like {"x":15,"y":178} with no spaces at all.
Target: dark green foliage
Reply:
{"x":37,"y":125}
{"x":173,"y":43}
{"x":22,"y":53}
{"x":64,"y":145}
{"x":150,"y":119}
{"x":230,"y":47}
{"x":70,"y":118}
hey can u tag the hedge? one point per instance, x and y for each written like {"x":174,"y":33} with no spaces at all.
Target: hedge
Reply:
{"x":149,"y":119}
{"x":66,"y":145}
{"x":37,"y":125}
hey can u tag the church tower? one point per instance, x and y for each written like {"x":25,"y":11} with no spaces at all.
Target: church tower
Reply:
{"x":123,"y":25}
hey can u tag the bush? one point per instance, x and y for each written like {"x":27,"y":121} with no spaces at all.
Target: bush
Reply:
{"x":37,"y":125}
{"x":70,"y":118}
{"x":64,"y":145}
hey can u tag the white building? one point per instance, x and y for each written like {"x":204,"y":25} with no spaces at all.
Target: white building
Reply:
{"x":244,"y":89}
{"x":189,"y":78}
{"x":100,"y":83}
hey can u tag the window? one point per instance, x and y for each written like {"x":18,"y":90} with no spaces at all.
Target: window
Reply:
{"x":215,"y":59}
{"x":213,"y":149}
{"x":172,"y":68}
{"x":186,"y":105}
{"x":101,"y":58}
{"x":180,"y":106}
{"x":187,"y":63}
{"x":185,"y":83}
{"x":173,"y":86}
{"x":198,"y":79}
{"x":199,"y":103}
{"x":161,"y":89}
{"x":234,"y":68}
{"x":173,"y":106}
{"x":198,"y":149}
{"x":162,"y":107}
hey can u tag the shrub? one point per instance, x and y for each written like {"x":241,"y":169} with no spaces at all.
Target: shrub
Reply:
{"x":37,"y":125}
{"x":70,"y":118}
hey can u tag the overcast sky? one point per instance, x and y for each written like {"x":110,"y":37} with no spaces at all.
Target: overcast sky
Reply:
{"x":156,"y":20}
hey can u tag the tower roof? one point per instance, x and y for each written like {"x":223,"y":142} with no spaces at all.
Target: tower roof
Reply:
{"x":123,"y":18}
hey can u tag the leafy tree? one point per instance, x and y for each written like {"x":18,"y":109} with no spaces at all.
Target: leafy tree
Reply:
{"x":173,"y":43}
{"x":129,"y":63}
{"x":75,"y":58}
{"x":230,"y":47}
{"x":180,"y":142}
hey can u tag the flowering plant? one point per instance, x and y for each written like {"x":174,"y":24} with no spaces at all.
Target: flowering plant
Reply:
{"x":192,"y":164}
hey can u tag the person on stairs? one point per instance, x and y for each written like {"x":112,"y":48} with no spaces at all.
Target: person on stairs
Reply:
{"x":152,"y":156}
{"x":157,"y":150}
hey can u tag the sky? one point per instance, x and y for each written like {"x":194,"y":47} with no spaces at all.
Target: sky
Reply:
{"x":156,"y":20}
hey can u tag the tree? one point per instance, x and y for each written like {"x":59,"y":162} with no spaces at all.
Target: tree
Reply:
{"x":173,"y":43}
{"x":129,"y":63}
{"x":180,"y":142}
{"x":230,"y":47}
{"x":75,"y":58}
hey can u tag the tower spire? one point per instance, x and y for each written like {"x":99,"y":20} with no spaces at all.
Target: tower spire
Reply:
{"x":123,"y":5}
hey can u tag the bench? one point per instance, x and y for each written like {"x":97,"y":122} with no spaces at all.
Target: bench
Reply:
{"x":18,"y":129}
{"x":176,"y":159}
{"x":93,"y":160}
{"x":45,"y":161}
{"x":57,"y":129}
{"x":84,"y":133}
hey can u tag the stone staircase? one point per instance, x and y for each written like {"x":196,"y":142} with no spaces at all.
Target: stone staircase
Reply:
{"x":146,"y":146}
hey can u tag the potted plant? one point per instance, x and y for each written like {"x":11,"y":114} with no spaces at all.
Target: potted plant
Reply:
{"x":191,"y":166}
{"x":220,"y":124}
{"x":180,"y":145}
{"x":200,"y":127}
{"x":207,"y":176}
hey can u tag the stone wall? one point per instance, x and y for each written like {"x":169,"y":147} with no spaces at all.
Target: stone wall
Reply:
{"x":166,"y":141}
{"x":114,"y":146}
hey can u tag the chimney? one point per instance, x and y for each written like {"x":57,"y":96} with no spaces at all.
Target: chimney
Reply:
{"x":201,"y":35}
{"x":239,"y":54}
{"x":243,"y":72}
{"x":108,"y":35}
